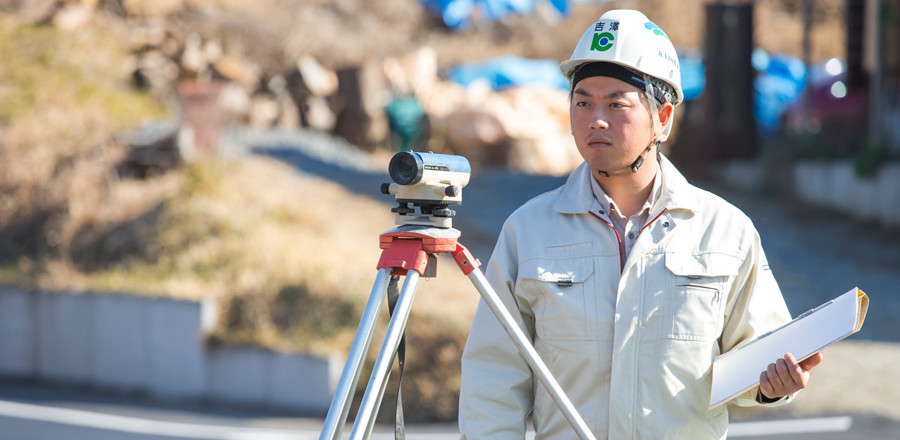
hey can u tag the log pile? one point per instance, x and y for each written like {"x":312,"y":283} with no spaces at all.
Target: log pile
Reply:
{"x":521,"y":128}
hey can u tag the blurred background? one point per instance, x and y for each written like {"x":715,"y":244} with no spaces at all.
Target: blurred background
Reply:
{"x":190,"y":205}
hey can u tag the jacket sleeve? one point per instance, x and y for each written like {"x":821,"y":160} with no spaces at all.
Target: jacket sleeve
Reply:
{"x":755,"y":306}
{"x":496,"y":393}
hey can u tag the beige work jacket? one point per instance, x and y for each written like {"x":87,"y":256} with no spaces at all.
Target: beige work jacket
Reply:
{"x":631,"y":341}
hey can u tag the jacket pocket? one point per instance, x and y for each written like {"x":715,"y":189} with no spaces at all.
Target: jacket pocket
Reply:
{"x":556,"y":290}
{"x":699,"y":282}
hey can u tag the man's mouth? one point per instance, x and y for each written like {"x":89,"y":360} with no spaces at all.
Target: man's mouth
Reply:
{"x":598,"y":143}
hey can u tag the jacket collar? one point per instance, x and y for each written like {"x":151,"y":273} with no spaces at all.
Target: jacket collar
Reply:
{"x":578,"y":198}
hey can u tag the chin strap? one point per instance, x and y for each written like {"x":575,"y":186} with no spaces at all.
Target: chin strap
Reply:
{"x":634,"y":165}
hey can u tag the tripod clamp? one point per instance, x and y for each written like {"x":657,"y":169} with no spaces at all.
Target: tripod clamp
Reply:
{"x":412,"y":247}
{"x":409,"y":250}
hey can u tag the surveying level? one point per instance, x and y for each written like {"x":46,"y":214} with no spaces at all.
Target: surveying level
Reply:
{"x":430,"y":183}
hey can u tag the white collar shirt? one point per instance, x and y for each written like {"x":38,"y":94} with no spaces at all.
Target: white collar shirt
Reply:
{"x":628,"y":229}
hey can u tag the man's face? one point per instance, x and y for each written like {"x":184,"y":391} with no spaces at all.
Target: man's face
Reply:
{"x":610,"y":122}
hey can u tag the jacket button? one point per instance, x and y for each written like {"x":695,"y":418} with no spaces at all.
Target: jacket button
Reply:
{"x":666,"y":224}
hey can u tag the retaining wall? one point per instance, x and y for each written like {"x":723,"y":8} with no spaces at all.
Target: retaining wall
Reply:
{"x":836,"y":186}
{"x":151,"y":345}
{"x":832,"y":184}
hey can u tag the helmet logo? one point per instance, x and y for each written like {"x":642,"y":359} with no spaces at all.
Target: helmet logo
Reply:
{"x":651,"y":26}
{"x":602,"y":42}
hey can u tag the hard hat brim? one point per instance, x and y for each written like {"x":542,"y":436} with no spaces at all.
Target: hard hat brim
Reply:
{"x":569,"y":67}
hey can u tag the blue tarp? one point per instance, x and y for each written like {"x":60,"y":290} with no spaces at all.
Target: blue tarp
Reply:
{"x":458,"y":14}
{"x":780,"y":80}
{"x":693,"y":76}
{"x":779,"y":83}
{"x":509,"y":71}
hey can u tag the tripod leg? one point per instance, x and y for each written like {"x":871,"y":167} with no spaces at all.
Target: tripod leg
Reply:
{"x":525,"y":348}
{"x":343,"y":395}
{"x":368,"y":408}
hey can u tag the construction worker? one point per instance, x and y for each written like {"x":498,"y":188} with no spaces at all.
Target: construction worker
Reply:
{"x":628,"y":279}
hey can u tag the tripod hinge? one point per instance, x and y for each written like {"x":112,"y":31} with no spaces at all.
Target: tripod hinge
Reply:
{"x":464,"y":259}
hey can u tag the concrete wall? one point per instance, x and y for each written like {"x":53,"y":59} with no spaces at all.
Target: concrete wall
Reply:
{"x":836,"y":186}
{"x":18,"y":336}
{"x":832,"y":184}
{"x":302,"y":382}
{"x":152,"y":345}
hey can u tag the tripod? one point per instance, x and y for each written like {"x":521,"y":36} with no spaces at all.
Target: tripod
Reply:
{"x":406,"y":251}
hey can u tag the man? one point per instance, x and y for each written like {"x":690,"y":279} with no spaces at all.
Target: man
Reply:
{"x":628,"y":279}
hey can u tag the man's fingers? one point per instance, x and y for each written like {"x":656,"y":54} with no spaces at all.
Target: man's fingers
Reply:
{"x":811,"y":361}
{"x":774,"y":379}
{"x":793,"y":373}
{"x":786,"y":375}
{"x":765,"y":386}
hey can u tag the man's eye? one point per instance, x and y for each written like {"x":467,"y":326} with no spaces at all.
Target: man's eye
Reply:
{"x":581,"y":104}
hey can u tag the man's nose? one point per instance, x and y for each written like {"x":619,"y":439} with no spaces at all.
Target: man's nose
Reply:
{"x":598,"y":121}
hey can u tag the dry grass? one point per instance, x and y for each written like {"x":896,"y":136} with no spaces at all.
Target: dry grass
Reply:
{"x":62,"y":99}
{"x":249,"y":229}
{"x":292,"y":258}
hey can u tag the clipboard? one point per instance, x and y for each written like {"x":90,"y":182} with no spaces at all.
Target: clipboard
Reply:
{"x":738,"y":370}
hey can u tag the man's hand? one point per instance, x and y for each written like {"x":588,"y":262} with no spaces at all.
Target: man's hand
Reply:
{"x":786,"y":376}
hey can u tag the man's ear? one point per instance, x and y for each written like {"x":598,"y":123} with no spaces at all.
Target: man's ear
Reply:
{"x":665,"y":113}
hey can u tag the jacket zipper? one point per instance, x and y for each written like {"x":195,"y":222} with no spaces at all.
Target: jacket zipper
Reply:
{"x":655,"y":218}
{"x":618,"y":238}
{"x":641,"y":306}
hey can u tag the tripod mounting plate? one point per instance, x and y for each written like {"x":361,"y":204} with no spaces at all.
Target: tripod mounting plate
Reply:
{"x":433,"y":239}
{"x":409,"y":247}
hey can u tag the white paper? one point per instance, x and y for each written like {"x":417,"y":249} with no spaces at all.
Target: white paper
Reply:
{"x":738,"y":370}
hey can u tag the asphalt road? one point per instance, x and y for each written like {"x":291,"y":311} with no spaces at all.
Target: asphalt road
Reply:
{"x":44,"y":413}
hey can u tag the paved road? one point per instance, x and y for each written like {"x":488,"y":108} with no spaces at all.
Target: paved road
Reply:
{"x":36,"y":413}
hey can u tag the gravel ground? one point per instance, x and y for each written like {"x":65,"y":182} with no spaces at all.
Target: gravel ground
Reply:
{"x":816,"y":255}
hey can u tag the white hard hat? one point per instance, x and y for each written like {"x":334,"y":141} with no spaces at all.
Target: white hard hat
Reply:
{"x":628,"y":38}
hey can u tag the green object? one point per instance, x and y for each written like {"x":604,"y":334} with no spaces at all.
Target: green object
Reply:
{"x":404,"y":118}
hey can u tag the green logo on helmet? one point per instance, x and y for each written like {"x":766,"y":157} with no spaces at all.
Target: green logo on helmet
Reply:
{"x":651,"y":26}
{"x":602,"y":42}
